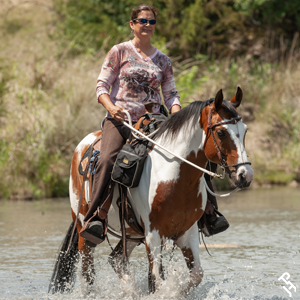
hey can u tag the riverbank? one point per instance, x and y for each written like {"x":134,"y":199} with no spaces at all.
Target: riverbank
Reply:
{"x":47,"y":105}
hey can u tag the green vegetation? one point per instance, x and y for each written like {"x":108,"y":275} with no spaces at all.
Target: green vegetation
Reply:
{"x":217,"y":28}
{"x":51,"y":56}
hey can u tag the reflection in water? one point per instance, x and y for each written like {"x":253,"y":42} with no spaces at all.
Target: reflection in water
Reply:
{"x":263,"y":242}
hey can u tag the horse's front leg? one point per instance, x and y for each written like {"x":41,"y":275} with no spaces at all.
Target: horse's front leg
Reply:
{"x":154,"y":243}
{"x":189,"y":245}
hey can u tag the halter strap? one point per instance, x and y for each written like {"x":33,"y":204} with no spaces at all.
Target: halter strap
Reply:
{"x":220,"y":155}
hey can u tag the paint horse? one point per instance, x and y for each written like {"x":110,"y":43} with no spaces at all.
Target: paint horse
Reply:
{"x":171,"y":195}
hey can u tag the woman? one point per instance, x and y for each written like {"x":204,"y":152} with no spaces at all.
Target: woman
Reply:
{"x":134,"y":71}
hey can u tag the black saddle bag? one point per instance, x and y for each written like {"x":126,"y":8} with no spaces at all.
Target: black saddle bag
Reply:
{"x":130,"y":160}
{"x":129,"y":165}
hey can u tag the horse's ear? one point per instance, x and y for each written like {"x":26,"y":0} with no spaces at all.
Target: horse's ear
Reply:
{"x":237,"y":99}
{"x":219,"y":100}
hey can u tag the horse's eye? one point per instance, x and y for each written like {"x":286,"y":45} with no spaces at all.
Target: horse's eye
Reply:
{"x":221,"y":133}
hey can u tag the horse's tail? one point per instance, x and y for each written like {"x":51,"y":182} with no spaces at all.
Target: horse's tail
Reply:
{"x":63,"y":277}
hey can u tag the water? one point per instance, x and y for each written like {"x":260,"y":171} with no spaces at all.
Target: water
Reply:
{"x":261,"y":244}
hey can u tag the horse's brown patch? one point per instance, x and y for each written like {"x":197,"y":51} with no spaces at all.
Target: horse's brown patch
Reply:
{"x":189,"y":257}
{"x":176,"y":205}
{"x":77,"y":179}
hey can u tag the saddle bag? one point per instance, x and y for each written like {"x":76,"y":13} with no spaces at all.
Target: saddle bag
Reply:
{"x":130,"y":160}
{"x":128,"y":167}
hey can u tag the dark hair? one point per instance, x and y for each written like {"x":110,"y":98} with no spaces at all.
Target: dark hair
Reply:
{"x":135,"y":11}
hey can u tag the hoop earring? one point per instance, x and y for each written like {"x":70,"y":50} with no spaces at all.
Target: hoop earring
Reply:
{"x":132,"y":31}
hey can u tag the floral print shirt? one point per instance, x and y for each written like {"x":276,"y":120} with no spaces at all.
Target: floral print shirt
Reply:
{"x":135,"y":81}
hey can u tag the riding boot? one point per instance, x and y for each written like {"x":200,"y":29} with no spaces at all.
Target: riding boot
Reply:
{"x":212,"y":221}
{"x":215,"y":221}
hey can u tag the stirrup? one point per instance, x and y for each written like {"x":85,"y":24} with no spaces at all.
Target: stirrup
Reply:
{"x":93,"y":233}
{"x":217,"y":224}
{"x":211,"y":227}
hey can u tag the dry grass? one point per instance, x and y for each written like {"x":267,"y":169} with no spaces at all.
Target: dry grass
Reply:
{"x":49,"y":105}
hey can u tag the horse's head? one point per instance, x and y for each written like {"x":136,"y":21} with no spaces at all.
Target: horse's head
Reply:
{"x":225,"y":138}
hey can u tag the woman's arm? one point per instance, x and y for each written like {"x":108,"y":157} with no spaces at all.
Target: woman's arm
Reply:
{"x":168,"y":88}
{"x":115,"y":111}
{"x":109,"y":73}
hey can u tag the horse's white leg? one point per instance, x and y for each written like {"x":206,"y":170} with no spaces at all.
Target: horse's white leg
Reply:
{"x":189,"y":245}
{"x":154,"y":244}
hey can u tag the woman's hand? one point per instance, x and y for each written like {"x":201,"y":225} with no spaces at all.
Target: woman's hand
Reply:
{"x":117,"y":113}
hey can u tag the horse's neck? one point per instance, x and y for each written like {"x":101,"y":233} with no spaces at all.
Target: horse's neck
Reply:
{"x":188,"y":144}
{"x":162,"y":168}
{"x":188,"y":139}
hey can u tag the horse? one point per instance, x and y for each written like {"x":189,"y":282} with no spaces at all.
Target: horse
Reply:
{"x":171,"y":196}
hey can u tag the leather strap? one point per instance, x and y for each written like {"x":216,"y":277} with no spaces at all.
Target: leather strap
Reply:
{"x":122,"y":191}
{"x":210,"y":130}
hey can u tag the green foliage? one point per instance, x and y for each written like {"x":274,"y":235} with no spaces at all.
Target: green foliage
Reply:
{"x":188,"y":82}
{"x":93,"y":24}
{"x":12,"y":27}
{"x":5,"y":76}
{"x":214,"y":28}
{"x":222,"y":184}
{"x":192,"y":26}
{"x":272,"y":11}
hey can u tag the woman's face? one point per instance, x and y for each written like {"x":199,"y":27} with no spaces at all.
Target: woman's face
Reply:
{"x":143,"y":30}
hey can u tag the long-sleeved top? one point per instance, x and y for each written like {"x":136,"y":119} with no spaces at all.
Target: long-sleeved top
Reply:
{"x":135,"y":81}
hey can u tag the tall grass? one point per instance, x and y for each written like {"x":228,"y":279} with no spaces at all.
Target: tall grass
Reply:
{"x":48,"y":104}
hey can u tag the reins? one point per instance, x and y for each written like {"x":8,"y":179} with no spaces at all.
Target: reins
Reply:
{"x":221,"y":176}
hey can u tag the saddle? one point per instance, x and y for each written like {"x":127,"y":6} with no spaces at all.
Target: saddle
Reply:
{"x":126,"y":173}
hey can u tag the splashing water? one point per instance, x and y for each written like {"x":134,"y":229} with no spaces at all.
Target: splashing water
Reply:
{"x":261,"y":244}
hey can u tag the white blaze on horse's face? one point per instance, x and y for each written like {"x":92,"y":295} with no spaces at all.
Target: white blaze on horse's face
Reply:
{"x":237,"y":133}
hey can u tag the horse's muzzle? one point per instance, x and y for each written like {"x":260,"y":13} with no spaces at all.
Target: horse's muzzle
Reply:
{"x":244,"y":176}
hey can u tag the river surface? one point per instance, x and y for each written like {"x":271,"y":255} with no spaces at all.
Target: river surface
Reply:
{"x":262,"y":243}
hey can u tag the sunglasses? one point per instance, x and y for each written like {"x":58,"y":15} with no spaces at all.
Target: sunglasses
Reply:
{"x":145,"y":21}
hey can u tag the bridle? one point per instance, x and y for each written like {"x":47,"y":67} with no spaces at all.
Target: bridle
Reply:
{"x":220,"y":155}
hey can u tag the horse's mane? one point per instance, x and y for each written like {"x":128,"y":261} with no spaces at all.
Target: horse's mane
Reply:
{"x":190,"y":113}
